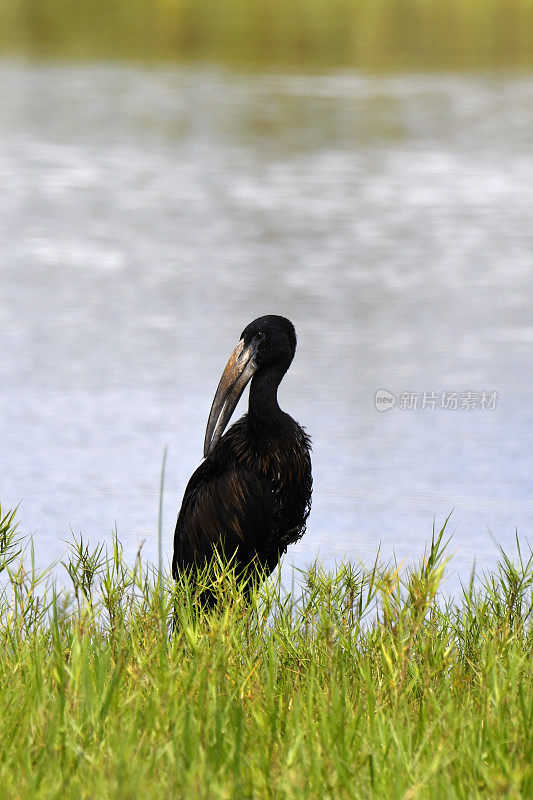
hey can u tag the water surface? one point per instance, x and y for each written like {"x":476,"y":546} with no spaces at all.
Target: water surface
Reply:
{"x":147,"y":215}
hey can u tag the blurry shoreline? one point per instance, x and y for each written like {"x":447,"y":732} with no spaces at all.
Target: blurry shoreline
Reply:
{"x":363,"y":34}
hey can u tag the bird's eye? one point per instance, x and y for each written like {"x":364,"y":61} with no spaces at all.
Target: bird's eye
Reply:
{"x":260,"y":336}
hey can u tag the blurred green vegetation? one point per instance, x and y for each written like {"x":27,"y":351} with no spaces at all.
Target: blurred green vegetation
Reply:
{"x":370,"y":34}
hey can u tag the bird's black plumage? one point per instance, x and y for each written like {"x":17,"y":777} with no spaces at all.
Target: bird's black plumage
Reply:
{"x":251,"y":496}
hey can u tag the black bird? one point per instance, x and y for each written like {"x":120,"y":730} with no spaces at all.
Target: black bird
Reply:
{"x":251,"y":496}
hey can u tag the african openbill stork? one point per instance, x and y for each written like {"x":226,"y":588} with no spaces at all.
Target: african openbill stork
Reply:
{"x":250,"y":497}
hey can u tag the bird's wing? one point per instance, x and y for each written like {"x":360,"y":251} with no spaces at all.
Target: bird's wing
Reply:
{"x":226,"y":508}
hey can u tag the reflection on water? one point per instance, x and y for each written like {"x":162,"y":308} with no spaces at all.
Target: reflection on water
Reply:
{"x":147,"y":215}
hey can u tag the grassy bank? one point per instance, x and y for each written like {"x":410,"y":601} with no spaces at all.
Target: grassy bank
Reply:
{"x":360,"y":685}
{"x":371,"y":34}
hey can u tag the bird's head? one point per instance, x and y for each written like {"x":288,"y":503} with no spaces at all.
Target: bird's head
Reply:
{"x":268,"y":342}
{"x":271,"y":340}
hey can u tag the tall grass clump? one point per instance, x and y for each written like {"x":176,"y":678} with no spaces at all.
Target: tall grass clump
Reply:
{"x":365,"y":682}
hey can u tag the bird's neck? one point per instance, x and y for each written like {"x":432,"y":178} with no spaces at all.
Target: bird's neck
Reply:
{"x":263,"y":409}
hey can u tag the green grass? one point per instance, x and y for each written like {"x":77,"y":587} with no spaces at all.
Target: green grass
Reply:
{"x":368,"y":34}
{"x":362,"y":683}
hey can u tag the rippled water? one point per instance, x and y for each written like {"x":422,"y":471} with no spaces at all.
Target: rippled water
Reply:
{"x":146,"y":215}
